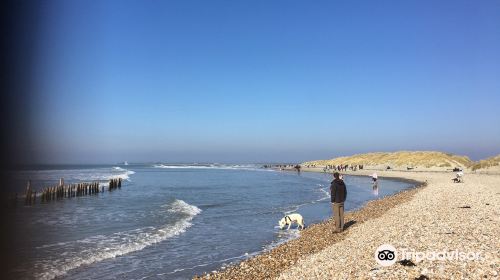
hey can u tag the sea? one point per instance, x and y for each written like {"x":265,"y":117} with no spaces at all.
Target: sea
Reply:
{"x":167,"y":221}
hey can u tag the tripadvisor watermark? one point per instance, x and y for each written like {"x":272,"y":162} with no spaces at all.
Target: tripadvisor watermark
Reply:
{"x":387,"y":255}
{"x":444,"y":255}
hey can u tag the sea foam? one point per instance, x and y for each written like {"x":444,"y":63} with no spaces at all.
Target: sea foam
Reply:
{"x":209,"y":166}
{"x":100,"y":247}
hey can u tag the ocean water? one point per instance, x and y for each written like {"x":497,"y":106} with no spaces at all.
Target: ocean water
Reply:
{"x":167,"y":221}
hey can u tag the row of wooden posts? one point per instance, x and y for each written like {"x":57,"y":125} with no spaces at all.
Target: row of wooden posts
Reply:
{"x":66,"y":191}
{"x":115,"y":183}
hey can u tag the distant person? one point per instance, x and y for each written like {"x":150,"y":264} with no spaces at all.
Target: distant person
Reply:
{"x":338,"y":195}
{"x":459,"y":177}
{"x":297,"y":167}
{"x":375,"y":184}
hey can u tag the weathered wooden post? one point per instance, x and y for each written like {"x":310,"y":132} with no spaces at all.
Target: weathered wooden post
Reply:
{"x":26,"y":193}
{"x":27,"y":196}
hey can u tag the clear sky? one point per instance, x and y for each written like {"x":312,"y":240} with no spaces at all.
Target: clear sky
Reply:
{"x":255,"y":81}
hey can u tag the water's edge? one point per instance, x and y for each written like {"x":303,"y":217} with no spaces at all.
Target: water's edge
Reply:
{"x":415,"y":184}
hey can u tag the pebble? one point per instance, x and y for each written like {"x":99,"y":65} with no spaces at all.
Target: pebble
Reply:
{"x":416,"y":219}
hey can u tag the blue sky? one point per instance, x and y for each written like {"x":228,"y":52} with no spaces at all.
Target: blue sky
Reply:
{"x":254,"y":81}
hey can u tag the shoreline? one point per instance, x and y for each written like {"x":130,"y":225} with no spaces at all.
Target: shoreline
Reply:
{"x":443,"y":217}
{"x":314,"y":238}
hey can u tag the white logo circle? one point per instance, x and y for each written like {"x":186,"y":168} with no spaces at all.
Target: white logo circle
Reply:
{"x":386,"y":255}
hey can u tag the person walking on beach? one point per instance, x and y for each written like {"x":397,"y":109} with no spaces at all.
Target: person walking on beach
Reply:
{"x":338,"y":193}
{"x":375,"y":184}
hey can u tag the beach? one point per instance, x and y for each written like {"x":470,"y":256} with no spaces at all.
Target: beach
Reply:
{"x":199,"y":140}
{"x":438,"y":216}
{"x":164,"y":221}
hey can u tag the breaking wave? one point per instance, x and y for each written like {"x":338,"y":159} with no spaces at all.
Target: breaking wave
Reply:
{"x":100,"y":247}
{"x":208,"y":166}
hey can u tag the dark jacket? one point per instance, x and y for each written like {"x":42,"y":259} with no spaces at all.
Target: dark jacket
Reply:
{"x":338,"y":191}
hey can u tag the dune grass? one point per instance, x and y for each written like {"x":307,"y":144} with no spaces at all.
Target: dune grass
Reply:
{"x":402,"y":158}
{"x":486,"y":163}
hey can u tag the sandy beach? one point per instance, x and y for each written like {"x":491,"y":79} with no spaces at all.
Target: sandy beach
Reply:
{"x":438,"y":216}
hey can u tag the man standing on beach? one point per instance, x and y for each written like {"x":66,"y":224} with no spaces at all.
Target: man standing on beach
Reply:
{"x":338,"y":193}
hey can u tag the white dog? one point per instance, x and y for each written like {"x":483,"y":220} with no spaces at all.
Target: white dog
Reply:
{"x":290,"y":219}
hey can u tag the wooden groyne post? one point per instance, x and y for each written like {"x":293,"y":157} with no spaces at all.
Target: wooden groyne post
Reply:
{"x":115,"y":183}
{"x":29,"y":196}
{"x":67,"y":191}
{"x":61,"y":190}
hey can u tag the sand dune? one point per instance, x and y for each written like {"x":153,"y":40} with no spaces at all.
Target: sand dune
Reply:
{"x":402,"y":159}
{"x":489,"y":163}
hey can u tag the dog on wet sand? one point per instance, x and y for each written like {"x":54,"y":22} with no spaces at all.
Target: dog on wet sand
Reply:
{"x":290,"y":219}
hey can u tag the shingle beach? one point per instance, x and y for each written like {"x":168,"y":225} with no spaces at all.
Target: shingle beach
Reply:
{"x":435,"y":217}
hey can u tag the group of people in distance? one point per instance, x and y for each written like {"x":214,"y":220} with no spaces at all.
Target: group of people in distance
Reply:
{"x":338,"y":194}
{"x":342,"y":167}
